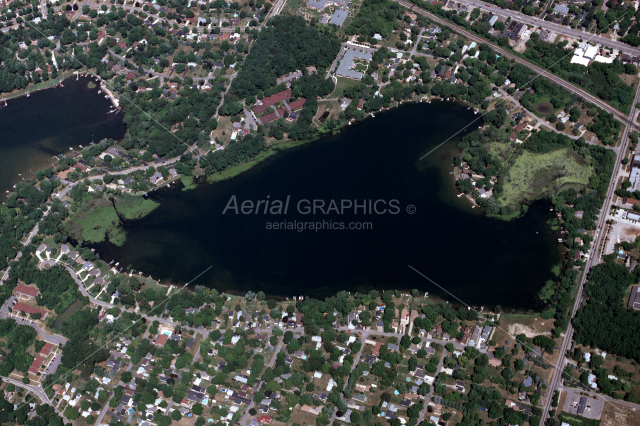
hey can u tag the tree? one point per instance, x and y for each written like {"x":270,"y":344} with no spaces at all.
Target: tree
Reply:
{"x":175,"y":415}
{"x":126,"y":377}
{"x":71,"y":413}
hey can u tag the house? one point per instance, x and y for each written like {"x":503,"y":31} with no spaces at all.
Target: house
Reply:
{"x":27,"y":292}
{"x":582,"y":405}
{"x":161,"y":340}
{"x":634,"y":299}
{"x":157,"y":177}
{"x":36,"y":364}
{"x":319,"y":5}
{"x":360,"y":397}
{"x":28,"y":310}
{"x":558,"y":8}
{"x":338,"y":17}
{"x":271,"y":100}
{"x":46,"y":349}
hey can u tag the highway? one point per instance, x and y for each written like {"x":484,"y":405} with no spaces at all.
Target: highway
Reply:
{"x":556,"y":28}
{"x":542,"y":72}
{"x":556,"y":380}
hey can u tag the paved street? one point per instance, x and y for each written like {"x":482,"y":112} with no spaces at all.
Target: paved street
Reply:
{"x":37,"y":391}
{"x":556,"y":28}
{"x":56,"y":339}
{"x":540,"y":71}
{"x":593,"y":260}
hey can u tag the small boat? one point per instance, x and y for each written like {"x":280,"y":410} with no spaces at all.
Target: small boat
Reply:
{"x":373,"y":116}
{"x":80,"y":146}
{"x":28,"y":94}
{"x":99,"y":91}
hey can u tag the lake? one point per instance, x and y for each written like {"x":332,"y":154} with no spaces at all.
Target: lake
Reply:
{"x":479,"y":260}
{"x":48,"y":122}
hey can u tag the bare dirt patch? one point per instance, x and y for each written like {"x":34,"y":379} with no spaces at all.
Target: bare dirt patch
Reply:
{"x":515,"y":329}
{"x":628,"y":79}
{"x":619,"y":415}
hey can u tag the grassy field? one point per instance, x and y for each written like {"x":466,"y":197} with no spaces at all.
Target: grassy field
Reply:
{"x":341,"y":85}
{"x":98,"y":220}
{"x":534,"y":176}
{"x":187,"y":181}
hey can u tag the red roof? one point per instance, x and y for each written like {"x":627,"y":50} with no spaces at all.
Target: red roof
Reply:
{"x":520,"y":127}
{"x":630,"y":201}
{"x":376,"y":348}
{"x":28,"y":309}
{"x":46,"y":349}
{"x":297,"y":104}
{"x":264,"y":419}
{"x":161,"y":340}
{"x":268,"y":118}
{"x":271,"y":100}
{"x":35,"y":366}
{"x":27,"y":291}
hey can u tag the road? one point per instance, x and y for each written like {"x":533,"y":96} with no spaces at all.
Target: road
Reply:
{"x":542,"y":72}
{"x":37,"y":391}
{"x":51,"y":338}
{"x":103,"y":412}
{"x":556,"y":28}
{"x":245,"y":416}
{"x":556,"y":380}
{"x":427,"y":398}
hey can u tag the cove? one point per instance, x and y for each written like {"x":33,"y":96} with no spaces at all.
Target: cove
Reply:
{"x":482,"y":261}
{"x":48,"y":122}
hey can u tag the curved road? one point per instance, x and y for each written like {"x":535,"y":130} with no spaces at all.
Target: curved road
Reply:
{"x":36,"y":390}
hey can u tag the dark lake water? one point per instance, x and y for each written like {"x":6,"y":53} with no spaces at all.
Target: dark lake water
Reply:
{"x":480,"y":260}
{"x":34,"y":129}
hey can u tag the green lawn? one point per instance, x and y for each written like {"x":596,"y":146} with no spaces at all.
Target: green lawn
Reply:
{"x":341,"y":85}
{"x":534,"y":176}
{"x":361,"y":67}
{"x":187,"y":181}
{"x":98,"y":220}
